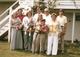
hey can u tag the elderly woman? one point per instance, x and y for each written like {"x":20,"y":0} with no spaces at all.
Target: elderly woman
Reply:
{"x":52,"y":46}
{"x":16,"y":36}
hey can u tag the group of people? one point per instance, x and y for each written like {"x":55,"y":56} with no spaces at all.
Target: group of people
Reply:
{"x":38,"y":33}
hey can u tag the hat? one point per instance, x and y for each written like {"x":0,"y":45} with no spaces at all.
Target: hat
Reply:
{"x":53,"y":14}
{"x":46,"y":9}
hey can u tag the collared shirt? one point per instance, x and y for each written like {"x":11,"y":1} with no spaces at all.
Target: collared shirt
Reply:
{"x":62,"y":20}
{"x":47,"y":18}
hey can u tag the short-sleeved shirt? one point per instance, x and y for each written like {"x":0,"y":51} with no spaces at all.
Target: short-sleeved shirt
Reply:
{"x":47,"y":18}
{"x":62,"y":20}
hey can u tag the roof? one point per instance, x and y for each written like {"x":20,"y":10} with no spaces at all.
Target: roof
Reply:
{"x":66,"y":4}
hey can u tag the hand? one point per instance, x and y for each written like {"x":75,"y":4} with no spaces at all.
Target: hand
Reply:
{"x":20,"y":26}
{"x":61,"y":34}
{"x":17,"y":27}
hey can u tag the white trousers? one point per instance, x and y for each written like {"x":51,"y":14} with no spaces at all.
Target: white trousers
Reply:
{"x":52,"y":46}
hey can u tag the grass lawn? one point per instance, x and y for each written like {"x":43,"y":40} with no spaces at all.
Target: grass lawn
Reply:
{"x":70,"y":51}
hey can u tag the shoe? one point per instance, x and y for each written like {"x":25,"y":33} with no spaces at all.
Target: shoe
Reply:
{"x":62,"y":51}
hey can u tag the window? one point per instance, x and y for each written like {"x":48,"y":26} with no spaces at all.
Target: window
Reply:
{"x":78,"y":17}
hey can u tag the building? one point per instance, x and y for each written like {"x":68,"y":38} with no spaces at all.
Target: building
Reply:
{"x":71,"y":9}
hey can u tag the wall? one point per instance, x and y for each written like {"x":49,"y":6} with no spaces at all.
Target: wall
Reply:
{"x":68,"y":35}
{"x":77,"y":29}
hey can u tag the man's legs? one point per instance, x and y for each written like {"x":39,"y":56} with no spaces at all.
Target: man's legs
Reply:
{"x":62,"y":44}
{"x":42,"y":43}
{"x":37,"y":43}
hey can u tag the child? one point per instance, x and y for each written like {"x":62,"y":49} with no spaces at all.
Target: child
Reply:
{"x":41,"y":37}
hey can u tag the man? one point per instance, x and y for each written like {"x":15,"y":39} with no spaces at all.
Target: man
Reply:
{"x":63,"y":24}
{"x":39,"y":12}
{"x":47,"y":16}
{"x":48,"y":20}
{"x":36,"y":18}
{"x":37,"y":28}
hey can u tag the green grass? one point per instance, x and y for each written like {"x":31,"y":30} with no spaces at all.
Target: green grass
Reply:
{"x":70,"y":51}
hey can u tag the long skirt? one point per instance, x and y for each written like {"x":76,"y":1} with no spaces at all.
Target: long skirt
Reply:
{"x":16,"y":39}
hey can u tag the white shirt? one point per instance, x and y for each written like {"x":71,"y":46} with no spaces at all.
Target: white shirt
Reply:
{"x":47,"y":18}
{"x":62,"y":20}
{"x":35,"y":18}
{"x":26,"y":22}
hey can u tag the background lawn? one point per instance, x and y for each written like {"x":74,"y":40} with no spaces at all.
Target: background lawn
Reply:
{"x":71,"y":50}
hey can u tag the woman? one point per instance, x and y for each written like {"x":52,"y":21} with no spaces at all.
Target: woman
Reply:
{"x":16,"y":36}
{"x":28,"y":30}
{"x":52,"y":46}
{"x":21,"y":16}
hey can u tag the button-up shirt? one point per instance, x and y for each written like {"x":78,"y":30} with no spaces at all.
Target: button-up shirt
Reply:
{"x":62,"y":20}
